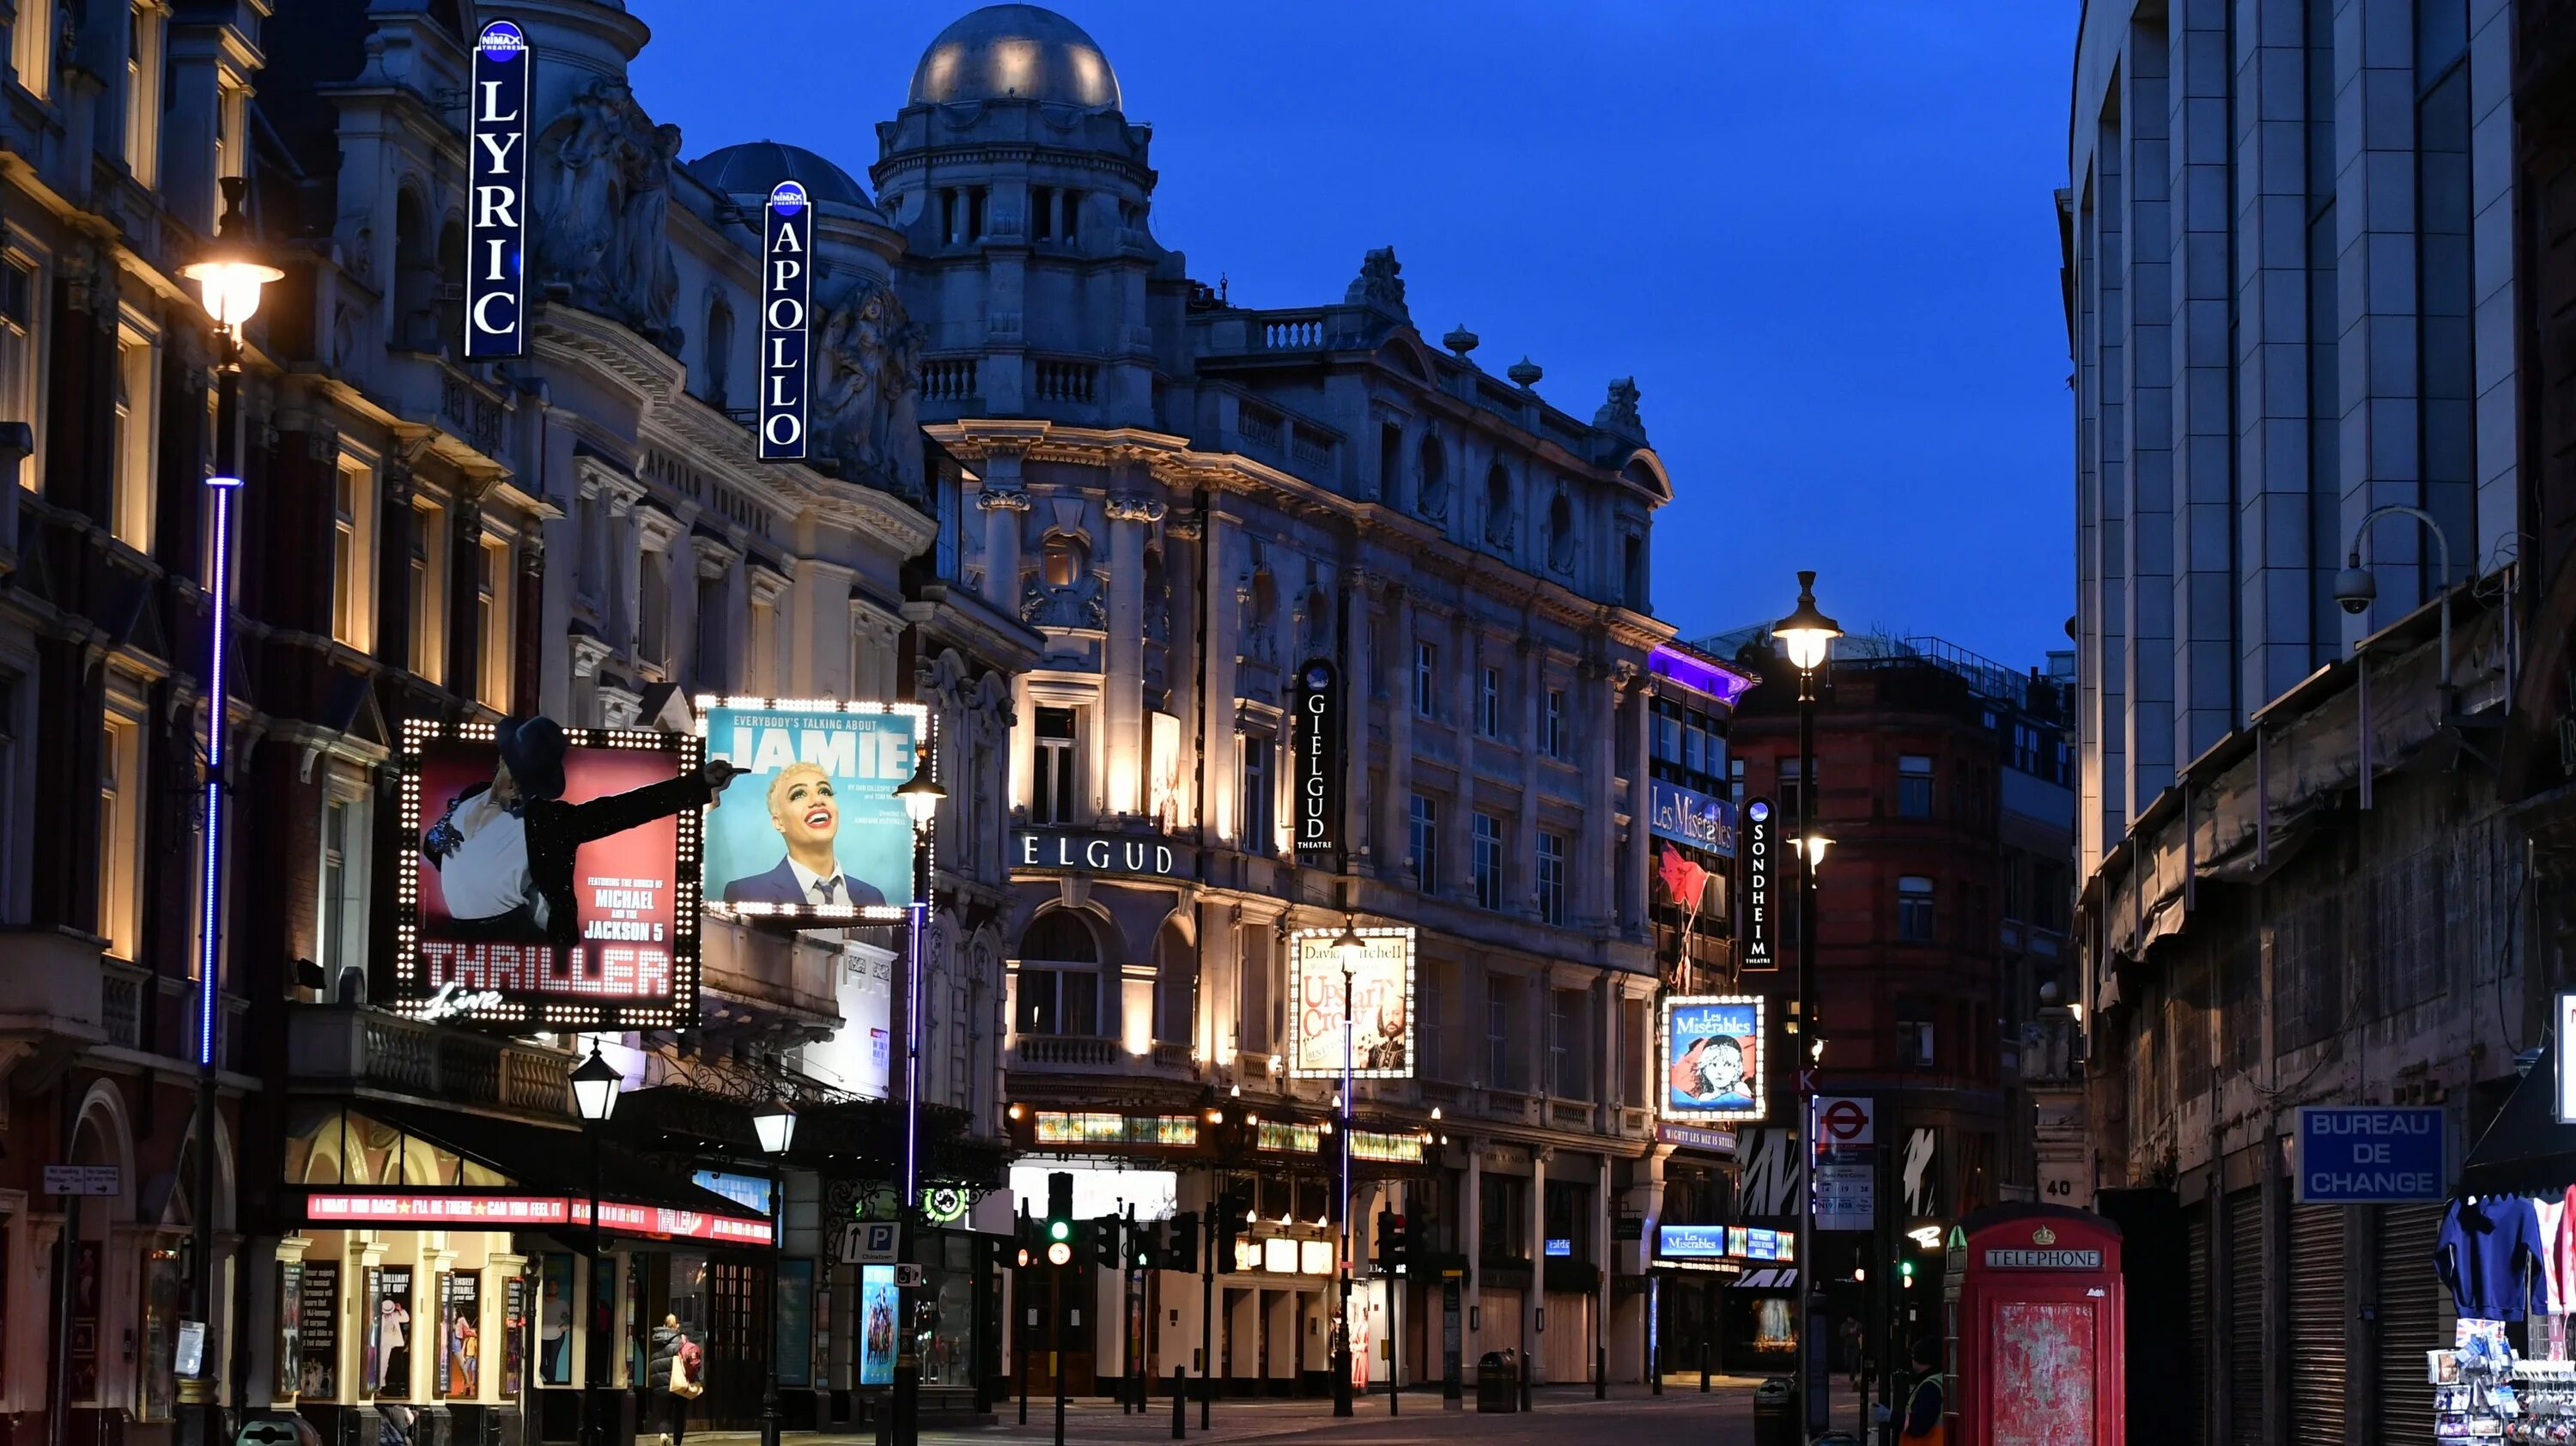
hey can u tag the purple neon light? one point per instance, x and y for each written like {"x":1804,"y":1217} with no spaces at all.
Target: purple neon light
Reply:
{"x":210,"y":903}
{"x":912,"y":1061}
{"x":1723,"y":684}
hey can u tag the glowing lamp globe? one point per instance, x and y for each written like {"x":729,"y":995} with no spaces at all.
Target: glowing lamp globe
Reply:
{"x":1806,"y":635}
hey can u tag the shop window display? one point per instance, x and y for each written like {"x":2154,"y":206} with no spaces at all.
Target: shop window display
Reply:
{"x":2506,"y":1260}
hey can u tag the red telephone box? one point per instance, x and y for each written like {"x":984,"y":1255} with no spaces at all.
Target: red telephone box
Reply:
{"x":2036,"y":1348}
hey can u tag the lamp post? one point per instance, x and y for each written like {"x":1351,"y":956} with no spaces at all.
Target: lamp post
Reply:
{"x":921,"y":795}
{"x":1807,"y":635}
{"x":775,"y":1123}
{"x":229,"y":274}
{"x":594,"y":1095}
{"x":2356,"y":588}
{"x":1347,"y":947}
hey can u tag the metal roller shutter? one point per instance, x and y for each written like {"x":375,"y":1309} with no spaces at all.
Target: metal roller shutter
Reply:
{"x":2245,"y":1351}
{"x":2412,"y":1312}
{"x":2197,"y":1314}
{"x":2316,"y":1298}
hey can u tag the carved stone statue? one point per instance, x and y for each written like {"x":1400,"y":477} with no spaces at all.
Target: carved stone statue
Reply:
{"x":1619,"y":413}
{"x":601,"y":228}
{"x":1380,"y":284}
{"x":867,"y":364}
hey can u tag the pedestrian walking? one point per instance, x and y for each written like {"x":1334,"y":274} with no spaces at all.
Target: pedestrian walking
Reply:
{"x":675,"y":1369}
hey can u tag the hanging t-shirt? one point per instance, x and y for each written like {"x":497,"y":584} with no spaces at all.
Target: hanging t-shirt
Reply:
{"x":2553,"y":1284}
{"x":2487,"y":1255}
{"x":2561,"y":1248}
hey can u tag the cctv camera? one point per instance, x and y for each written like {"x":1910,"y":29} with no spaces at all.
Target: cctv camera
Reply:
{"x":2356,"y":589}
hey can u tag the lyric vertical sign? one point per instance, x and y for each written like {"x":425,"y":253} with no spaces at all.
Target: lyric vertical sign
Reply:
{"x":1316,"y":735}
{"x":786,"y":301}
{"x":1753,"y":920}
{"x":496,"y":286}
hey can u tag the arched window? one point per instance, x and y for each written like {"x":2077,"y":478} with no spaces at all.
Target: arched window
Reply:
{"x":1434,"y":462}
{"x":1064,"y":559}
{"x":1059,"y":976}
{"x":1319,"y":622}
{"x":1175,"y":985}
{"x":1498,"y":506}
{"x":719,"y":351}
{"x":1560,"y":533}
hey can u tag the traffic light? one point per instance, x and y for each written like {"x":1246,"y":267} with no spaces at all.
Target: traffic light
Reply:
{"x":1391,"y":1242}
{"x":1905,"y":1270}
{"x":1029,"y":1239}
{"x":1105,"y":1241}
{"x":1145,"y":1244}
{"x":1184,"y":1252}
{"x":1059,"y":1218}
{"x":1231,"y":1208}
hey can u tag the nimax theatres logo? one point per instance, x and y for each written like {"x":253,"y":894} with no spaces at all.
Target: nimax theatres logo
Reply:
{"x":496,"y":290}
{"x":786,"y":307}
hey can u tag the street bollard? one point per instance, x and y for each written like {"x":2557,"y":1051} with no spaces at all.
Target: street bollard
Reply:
{"x":1600,"y":1374}
{"x":1180,"y":1405}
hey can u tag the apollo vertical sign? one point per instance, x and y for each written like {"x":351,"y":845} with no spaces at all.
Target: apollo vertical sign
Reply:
{"x":786,"y":300}
{"x":1316,"y":735}
{"x":496,"y":284}
{"x":1753,"y":920}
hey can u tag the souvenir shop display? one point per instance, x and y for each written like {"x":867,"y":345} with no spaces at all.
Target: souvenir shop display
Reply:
{"x":2505,"y":1259}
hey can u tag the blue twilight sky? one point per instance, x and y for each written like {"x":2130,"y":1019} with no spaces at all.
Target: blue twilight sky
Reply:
{"x":1820,"y":235}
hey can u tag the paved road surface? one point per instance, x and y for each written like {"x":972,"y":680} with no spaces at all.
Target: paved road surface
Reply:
{"x":1563,"y":1417}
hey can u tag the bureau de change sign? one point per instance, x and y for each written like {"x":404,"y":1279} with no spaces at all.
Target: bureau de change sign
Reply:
{"x":2368,"y":1155}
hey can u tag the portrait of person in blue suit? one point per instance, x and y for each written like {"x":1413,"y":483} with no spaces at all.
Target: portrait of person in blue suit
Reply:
{"x":808,"y":820}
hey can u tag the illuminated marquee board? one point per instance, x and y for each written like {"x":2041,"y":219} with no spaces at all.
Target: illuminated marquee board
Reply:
{"x":512,"y":1211}
{"x":1713,"y":1058}
{"x":470,"y":940}
{"x":1381,"y":1001}
{"x":813,"y":831}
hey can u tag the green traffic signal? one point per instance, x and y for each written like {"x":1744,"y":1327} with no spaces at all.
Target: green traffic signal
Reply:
{"x":1059,"y":1230}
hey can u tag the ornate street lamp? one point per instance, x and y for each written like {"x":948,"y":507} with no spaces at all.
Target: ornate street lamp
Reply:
{"x":229,"y":273}
{"x":1807,"y":636}
{"x":775,"y":1124}
{"x":595,"y":1086}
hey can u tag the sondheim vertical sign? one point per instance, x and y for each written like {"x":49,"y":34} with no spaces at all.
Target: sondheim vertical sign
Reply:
{"x":786,"y":299}
{"x":496,"y":286}
{"x":1753,"y":863}
{"x":1316,"y":737}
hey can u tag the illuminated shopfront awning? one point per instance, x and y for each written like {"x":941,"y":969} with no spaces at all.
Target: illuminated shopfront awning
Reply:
{"x":405,"y":1167}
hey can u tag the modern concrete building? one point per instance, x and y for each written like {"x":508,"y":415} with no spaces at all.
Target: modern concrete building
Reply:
{"x":2289,"y":280}
{"x":2297,"y":240}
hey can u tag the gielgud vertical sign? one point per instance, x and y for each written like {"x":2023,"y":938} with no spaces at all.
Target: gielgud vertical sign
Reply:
{"x":496,"y":287}
{"x":786,"y":299}
{"x":1316,"y":738}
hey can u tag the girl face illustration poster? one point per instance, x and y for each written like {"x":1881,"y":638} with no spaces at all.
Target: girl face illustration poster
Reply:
{"x":1713,"y":1059}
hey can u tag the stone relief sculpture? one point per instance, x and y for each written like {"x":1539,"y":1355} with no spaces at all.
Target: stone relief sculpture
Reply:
{"x":1084,"y":605}
{"x":867,"y":368}
{"x":1380,"y":284}
{"x":601,"y":232}
{"x":1619,"y":413}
